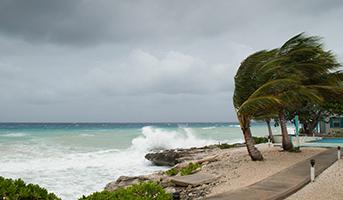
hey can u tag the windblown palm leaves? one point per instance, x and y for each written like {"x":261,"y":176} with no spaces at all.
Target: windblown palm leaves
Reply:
{"x":269,"y":82}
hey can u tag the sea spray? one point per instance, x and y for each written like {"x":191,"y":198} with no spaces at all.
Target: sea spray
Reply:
{"x":157,"y":138}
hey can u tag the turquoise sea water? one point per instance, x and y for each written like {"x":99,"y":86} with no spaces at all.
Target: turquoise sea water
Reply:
{"x":72,"y":159}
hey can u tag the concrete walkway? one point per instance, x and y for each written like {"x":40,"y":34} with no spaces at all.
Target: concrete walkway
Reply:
{"x":283,"y":183}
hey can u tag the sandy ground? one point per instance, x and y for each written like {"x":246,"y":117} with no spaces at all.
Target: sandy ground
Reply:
{"x":328,"y":185}
{"x":235,"y":168}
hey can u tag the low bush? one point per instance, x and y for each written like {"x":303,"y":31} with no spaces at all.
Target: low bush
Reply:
{"x":17,"y":190}
{"x":189,"y":169}
{"x":141,"y":191}
{"x":259,"y":140}
{"x":225,"y":146}
{"x":172,"y":172}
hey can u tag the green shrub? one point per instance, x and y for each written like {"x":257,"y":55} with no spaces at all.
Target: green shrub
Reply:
{"x":225,"y":146}
{"x":18,"y":190}
{"x":259,"y":140}
{"x":189,"y":169}
{"x":172,"y":172}
{"x":141,"y":191}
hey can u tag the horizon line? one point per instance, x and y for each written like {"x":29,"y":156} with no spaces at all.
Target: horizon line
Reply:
{"x":108,"y":122}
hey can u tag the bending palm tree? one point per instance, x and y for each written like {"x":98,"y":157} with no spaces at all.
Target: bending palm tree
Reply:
{"x":276,"y":80}
{"x":304,"y":57}
{"x":246,"y":83}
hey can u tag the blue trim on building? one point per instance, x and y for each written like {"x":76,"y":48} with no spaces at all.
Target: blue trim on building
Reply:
{"x":336,"y":122}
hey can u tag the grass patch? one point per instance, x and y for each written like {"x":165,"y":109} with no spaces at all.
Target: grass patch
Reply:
{"x":260,"y":140}
{"x":172,"y":172}
{"x":225,"y":146}
{"x":189,"y":169}
{"x":140,"y":191}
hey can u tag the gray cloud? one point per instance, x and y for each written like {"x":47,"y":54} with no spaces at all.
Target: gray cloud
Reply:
{"x":86,"y":60}
{"x":84,"y":22}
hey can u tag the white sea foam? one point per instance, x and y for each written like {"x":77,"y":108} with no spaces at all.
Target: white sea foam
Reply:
{"x":234,"y":141}
{"x":14,"y":135}
{"x":234,"y":126}
{"x":83,"y":172}
{"x":209,"y":128}
{"x":86,"y":135}
{"x":156,"y":138}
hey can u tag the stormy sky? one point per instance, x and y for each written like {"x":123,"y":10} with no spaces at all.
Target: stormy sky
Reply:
{"x":142,"y":61}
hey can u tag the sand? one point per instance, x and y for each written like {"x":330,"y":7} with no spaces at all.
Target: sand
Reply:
{"x":235,"y":168}
{"x":327,"y":186}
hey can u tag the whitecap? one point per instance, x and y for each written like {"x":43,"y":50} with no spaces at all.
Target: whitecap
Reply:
{"x":157,"y":138}
{"x":86,"y":135}
{"x":234,"y":126}
{"x":14,"y":135}
{"x":209,"y":128}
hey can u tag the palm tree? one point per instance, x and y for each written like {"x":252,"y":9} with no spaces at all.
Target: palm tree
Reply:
{"x":281,"y":93}
{"x":247,"y":82}
{"x":276,"y":80}
{"x":305,"y":57}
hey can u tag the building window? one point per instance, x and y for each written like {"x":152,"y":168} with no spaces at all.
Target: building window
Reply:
{"x":336,"y":122}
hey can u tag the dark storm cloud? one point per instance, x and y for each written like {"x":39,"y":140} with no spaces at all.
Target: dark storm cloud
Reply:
{"x":87,"y":60}
{"x":88,"y":22}
{"x":83,"y":22}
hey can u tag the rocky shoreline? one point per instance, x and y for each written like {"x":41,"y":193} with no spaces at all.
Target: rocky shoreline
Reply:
{"x":178,"y":159}
{"x":225,"y":167}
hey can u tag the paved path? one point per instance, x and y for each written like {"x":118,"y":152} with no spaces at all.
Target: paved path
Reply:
{"x":283,"y":183}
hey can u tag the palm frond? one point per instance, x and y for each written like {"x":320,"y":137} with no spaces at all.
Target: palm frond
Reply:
{"x":275,"y":87}
{"x":253,"y":105}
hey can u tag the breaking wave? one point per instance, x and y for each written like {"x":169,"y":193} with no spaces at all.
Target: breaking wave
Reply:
{"x":156,"y":138}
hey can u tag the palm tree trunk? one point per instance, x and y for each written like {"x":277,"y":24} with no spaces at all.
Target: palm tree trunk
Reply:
{"x":286,"y":143}
{"x":307,"y":129}
{"x":271,"y":137}
{"x":254,"y":153}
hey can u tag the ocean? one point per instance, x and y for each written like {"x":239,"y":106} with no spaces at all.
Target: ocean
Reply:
{"x":75,"y":159}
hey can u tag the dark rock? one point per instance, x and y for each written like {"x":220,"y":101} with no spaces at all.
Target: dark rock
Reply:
{"x":167,"y":157}
{"x":176,"y":156}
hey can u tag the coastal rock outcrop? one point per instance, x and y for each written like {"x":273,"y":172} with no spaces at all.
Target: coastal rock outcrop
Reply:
{"x":173,"y":157}
{"x":167,"y":157}
{"x":181,"y":158}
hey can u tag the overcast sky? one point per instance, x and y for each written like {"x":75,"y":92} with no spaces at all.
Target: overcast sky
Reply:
{"x":142,"y":61}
